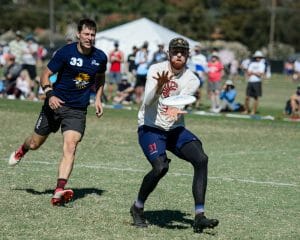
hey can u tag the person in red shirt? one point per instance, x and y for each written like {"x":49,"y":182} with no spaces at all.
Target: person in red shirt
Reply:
{"x":116,"y":58}
{"x":215,"y":74}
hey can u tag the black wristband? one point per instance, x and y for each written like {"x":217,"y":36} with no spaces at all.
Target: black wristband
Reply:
{"x":46,"y":86}
{"x":49,"y":94}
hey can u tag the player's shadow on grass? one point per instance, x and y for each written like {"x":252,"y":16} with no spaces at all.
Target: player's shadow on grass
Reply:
{"x":78,"y":192}
{"x":171,"y":219}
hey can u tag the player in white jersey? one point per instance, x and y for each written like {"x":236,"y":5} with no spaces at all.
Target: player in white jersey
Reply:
{"x":162,"y":128}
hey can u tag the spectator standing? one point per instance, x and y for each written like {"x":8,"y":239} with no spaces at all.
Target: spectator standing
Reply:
{"x":131,"y":66}
{"x":30,"y":52}
{"x":116,"y":58}
{"x":198,"y":62}
{"x":215,"y":73}
{"x":255,"y":73}
{"x":141,"y":60}
{"x":160,"y":55}
{"x":41,"y":55}
{"x":16,"y":47}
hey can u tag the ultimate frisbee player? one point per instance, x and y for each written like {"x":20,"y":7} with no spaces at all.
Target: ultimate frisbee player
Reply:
{"x":78,"y":65}
{"x":162,"y":128}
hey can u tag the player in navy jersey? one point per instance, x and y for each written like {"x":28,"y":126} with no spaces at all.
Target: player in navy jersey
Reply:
{"x":78,"y":66}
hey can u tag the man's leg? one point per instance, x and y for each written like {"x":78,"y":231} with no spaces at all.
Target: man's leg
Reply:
{"x":71,"y":140}
{"x":160,"y":167}
{"x":247,"y":101}
{"x":193,"y":153}
{"x":31,"y":143}
{"x":255,"y":106}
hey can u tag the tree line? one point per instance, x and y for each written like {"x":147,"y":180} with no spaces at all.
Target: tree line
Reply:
{"x":244,"y":21}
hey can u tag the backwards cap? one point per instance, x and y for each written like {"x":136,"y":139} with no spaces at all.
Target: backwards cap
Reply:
{"x":179,"y":43}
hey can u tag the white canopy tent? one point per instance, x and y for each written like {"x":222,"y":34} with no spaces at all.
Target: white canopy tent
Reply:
{"x":135,"y":33}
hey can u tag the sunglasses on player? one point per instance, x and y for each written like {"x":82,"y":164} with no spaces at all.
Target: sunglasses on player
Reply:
{"x":182,"y":51}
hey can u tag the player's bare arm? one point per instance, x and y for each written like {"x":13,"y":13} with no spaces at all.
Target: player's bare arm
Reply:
{"x":54,"y":102}
{"x":99,"y":81}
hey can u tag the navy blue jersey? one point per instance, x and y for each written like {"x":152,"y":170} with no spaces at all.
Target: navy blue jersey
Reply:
{"x":76,"y":74}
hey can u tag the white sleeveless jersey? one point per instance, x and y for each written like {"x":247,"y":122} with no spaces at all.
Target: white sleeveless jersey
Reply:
{"x":152,"y":111}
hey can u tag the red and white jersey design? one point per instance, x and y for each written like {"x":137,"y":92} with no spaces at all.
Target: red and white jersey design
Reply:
{"x":152,"y":111}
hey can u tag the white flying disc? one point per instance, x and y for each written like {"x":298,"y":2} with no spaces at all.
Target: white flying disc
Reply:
{"x":178,"y":100}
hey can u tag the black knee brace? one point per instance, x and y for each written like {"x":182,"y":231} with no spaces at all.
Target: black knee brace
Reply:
{"x":160,"y":166}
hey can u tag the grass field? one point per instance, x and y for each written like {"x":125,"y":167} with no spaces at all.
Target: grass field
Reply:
{"x":253,"y":185}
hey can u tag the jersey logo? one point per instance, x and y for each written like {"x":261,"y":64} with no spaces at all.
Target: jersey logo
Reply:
{"x":82,"y":80}
{"x":94,"y":62}
{"x":152,"y":148}
{"x":168,"y":87}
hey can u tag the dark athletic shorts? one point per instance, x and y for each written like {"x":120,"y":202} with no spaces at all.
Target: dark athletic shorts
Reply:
{"x":140,"y":80}
{"x":155,"y":142}
{"x":64,"y":117}
{"x":254,"y":89}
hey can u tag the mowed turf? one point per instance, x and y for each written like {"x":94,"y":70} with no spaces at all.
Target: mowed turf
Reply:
{"x":253,"y":184}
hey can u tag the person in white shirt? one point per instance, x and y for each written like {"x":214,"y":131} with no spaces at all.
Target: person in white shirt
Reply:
{"x":162,"y":128}
{"x":255,"y":73}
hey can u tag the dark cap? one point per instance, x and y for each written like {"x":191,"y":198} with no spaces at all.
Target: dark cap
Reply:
{"x":19,"y":33}
{"x":179,"y":43}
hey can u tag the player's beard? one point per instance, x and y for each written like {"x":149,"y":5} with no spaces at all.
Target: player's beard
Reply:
{"x":178,"y":64}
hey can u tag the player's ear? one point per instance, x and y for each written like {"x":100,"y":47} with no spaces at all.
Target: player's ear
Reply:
{"x":168,"y":54}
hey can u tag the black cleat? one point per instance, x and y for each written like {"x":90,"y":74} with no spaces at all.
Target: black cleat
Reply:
{"x":138,"y":217}
{"x":201,"y":222}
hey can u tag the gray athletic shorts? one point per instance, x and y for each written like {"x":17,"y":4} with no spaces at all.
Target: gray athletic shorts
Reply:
{"x":213,"y":86}
{"x":114,"y":77}
{"x":66,"y":118}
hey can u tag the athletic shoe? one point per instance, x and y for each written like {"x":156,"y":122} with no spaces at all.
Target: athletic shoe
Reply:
{"x":138,"y":217}
{"x":201,"y":222}
{"x":16,"y":157}
{"x":61,"y":196}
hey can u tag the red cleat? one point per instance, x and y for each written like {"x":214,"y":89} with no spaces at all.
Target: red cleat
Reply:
{"x":16,"y":157}
{"x":61,"y":196}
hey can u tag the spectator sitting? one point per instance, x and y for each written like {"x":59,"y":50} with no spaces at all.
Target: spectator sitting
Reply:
{"x":24,"y":86}
{"x":227,"y":97}
{"x":11,"y":72}
{"x":124,"y":92}
{"x":293,"y":104}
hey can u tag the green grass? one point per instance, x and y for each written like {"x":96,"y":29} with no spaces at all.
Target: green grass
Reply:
{"x":253,"y":185}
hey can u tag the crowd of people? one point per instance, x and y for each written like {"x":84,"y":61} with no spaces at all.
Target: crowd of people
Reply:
{"x":127,"y":74}
{"x":20,"y":59}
